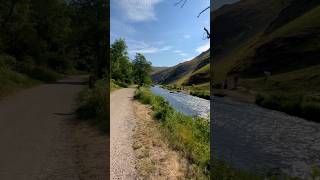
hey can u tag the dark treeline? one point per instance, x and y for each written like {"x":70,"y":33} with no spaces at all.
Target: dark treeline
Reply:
{"x":53,"y":35}
{"x":126,"y":72}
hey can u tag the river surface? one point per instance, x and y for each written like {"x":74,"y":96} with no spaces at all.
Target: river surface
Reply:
{"x":187,"y":104}
{"x":262,"y":140}
{"x":253,"y":138}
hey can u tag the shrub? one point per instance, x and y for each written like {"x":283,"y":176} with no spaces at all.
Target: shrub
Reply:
{"x":92,"y":105}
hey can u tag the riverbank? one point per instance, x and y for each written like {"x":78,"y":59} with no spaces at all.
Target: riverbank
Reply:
{"x":201,"y":92}
{"x":300,"y":104}
{"x":155,"y":158}
{"x":187,"y":135}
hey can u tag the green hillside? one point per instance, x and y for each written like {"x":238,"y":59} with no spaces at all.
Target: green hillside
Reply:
{"x":195,"y":71}
{"x":287,"y":45}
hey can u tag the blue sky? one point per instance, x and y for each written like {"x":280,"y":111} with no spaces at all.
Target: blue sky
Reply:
{"x":166,"y":34}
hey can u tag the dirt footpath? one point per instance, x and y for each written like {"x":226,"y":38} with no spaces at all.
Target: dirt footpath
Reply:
{"x":40,"y":139}
{"x":122,"y":123}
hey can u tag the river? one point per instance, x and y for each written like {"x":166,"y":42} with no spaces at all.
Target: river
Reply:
{"x":184,"y":103}
{"x":262,"y":140}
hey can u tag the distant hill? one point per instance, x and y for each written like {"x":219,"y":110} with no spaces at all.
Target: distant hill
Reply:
{"x":156,"y":69}
{"x":280,"y":36}
{"x":195,"y":71}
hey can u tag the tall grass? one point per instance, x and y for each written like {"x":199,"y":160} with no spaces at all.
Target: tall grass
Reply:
{"x":293,"y":104}
{"x":92,"y":105}
{"x":188,"y":135}
{"x":11,"y":80}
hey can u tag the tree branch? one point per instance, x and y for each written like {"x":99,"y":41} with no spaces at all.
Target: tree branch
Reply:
{"x":208,"y":33}
{"x":203,"y":11}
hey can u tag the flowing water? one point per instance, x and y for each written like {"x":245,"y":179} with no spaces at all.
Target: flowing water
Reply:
{"x":254,"y":138}
{"x":262,"y":140}
{"x":187,"y":104}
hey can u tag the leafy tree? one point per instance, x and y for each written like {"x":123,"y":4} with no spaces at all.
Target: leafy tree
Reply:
{"x":121,"y":67}
{"x":141,"y":70}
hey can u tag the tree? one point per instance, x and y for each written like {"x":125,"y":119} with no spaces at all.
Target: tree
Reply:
{"x":141,"y":70}
{"x":121,"y":67}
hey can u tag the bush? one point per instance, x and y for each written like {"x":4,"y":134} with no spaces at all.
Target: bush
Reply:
{"x":186,"y":134}
{"x":92,"y":105}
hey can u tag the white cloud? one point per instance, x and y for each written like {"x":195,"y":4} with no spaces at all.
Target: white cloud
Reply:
{"x":204,"y":47}
{"x":177,"y":51}
{"x":166,"y":48}
{"x":187,"y":36}
{"x":148,"y":50}
{"x":139,"y":10}
{"x":140,"y":47}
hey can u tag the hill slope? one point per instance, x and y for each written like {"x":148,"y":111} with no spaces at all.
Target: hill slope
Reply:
{"x":195,"y":71}
{"x":284,"y":41}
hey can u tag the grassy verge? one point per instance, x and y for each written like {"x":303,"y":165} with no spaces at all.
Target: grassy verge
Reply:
{"x":16,"y":75}
{"x":201,"y":94}
{"x":185,"y":134}
{"x":294,"y":104}
{"x":198,"y":91}
{"x":92,"y":105}
{"x":12,"y":81}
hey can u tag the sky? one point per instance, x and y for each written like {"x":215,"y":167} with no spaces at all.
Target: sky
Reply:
{"x":164,"y":33}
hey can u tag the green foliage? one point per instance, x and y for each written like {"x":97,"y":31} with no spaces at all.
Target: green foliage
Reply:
{"x":186,"y":134}
{"x":201,"y":94}
{"x":52,"y":35}
{"x":92,"y":105}
{"x":141,"y":70}
{"x":121,"y":67}
{"x":294,"y":104}
{"x":121,"y":84}
{"x":11,"y":80}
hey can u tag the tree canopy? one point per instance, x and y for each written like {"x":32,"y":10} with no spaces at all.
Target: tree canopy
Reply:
{"x":125,"y":71}
{"x":57,"y":34}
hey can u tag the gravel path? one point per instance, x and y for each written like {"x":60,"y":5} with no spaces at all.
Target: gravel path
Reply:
{"x":35,"y":132}
{"x":259,"y":139}
{"x":122,"y":122}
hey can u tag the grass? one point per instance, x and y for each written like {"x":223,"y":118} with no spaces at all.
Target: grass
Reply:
{"x":40,"y":73}
{"x":188,"y":135}
{"x":201,"y":90}
{"x":293,"y":104}
{"x":92,"y":105}
{"x":201,"y":94}
{"x":15,"y":75}
{"x":11,"y":80}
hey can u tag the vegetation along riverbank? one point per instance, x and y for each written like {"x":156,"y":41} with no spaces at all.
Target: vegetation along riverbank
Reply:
{"x":189,"y":136}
